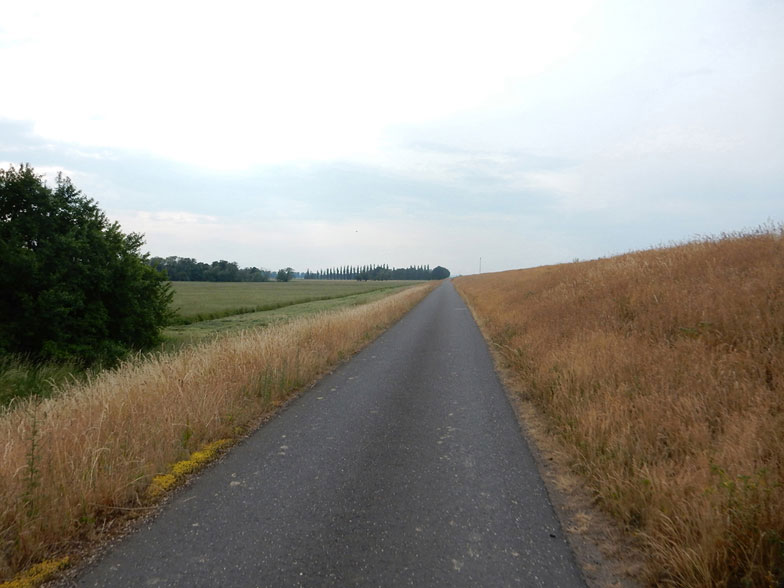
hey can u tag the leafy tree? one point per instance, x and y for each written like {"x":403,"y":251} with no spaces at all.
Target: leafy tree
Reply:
{"x":253,"y":274}
{"x":185,"y":269}
{"x":439,"y":273}
{"x":222,"y":271}
{"x":73,"y":286}
{"x":285,"y":275}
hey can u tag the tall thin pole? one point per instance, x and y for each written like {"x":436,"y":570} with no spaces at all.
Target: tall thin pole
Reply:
{"x":480,"y":265}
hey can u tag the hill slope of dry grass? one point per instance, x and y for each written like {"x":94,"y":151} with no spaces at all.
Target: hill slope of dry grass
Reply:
{"x":662,"y":371}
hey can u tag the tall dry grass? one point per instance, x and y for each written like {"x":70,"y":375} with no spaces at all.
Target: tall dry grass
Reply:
{"x":70,"y":463}
{"x":662,"y":372}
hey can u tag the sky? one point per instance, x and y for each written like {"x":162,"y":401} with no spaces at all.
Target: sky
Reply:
{"x":316,"y":134}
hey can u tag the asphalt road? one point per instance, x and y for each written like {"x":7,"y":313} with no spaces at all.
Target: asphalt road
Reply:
{"x":405,"y":467}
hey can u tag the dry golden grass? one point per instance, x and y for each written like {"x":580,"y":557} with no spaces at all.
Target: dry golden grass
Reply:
{"x":72,"y":462}
{"x":663,"y":373}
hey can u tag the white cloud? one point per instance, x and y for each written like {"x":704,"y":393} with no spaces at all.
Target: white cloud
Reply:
{"x":263,"y":82}
{"x":397,"y":240}
{"x":382,"y":129}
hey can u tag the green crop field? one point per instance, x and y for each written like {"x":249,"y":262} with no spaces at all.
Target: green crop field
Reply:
{"x":206,"y":309}
{"x":199,"y":301}
{"x":184,"y":334}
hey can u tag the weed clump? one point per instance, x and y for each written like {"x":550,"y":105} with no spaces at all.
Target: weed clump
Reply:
{"x":164,"y":482}
{"x":37,"y":574}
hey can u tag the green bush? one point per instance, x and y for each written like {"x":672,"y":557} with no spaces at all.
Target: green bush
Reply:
{"x":439,"y":273}
{"x":20,"y":378}
{"x":73,"y":286}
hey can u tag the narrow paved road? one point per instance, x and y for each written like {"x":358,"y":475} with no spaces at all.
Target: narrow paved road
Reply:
{"x":405,"y":467}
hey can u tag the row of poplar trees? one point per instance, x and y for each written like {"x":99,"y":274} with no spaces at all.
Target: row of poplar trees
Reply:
{"x":379,"y":272}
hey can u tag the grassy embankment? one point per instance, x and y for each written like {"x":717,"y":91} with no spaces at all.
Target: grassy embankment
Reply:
{"x":205,"y":310}
{"x":662,"y":374}
{"x":73,"y":463}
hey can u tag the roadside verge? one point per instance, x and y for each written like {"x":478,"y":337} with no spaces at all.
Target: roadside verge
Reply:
{"x":75,"y":464}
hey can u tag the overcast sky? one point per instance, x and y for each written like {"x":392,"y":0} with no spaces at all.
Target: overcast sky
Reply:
{"x":312,"y":134}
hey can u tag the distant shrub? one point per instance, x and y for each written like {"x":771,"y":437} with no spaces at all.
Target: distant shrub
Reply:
{"x":439,"y":273}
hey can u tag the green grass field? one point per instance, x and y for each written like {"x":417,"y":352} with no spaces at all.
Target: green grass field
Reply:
{"x":288,"y":304}
{"x":203,"y":301}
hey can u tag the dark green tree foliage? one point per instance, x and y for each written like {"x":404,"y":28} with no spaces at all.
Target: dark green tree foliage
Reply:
{"x":186,"y":269}
{"x":285,"y":275}
{"x":72,"y":285}
{"x":439,"y":273}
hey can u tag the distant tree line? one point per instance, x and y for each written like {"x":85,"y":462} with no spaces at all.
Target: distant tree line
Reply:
{"x":187,"y":269}
{"x":379,"y":272}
